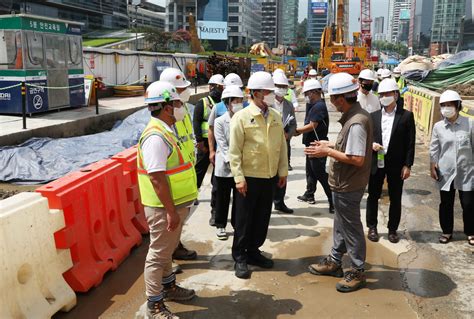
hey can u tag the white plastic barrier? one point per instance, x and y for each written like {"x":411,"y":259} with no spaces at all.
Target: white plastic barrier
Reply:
{"x":31,"y":281}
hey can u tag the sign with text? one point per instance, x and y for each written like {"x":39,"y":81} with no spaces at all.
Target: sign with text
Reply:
{"x":319,"y":7}
{"x":212,"y":30}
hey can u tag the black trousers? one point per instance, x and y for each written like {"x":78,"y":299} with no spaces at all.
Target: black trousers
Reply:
{"x":201,"y":167}
{"x":252,"y":216}
{"x":225,"y":186}
{"x":446,"y":210}
{"x":316,"y":171}
{"x":395,"y":188}
{"x":279,"y":195}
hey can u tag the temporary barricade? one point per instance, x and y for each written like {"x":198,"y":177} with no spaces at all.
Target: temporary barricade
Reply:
{"x":128,"y":159}
{"x":424,"y":104}
{"x":99,"y":229}
{"x":31,"y":281}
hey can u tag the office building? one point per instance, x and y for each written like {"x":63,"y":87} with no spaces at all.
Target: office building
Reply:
{"x":177,"y":13}
{"x":97,"y":15}
{"x":147,"y":14}
{"x":245,"y":22}
{"x":448,"y":25}
{"x":399,"y":20}
{"x":421,"y":20}
{"x":289,"y":21}
{"x":272,"y":22}
{"x":318,"y":13}
{"x":378,"y":31}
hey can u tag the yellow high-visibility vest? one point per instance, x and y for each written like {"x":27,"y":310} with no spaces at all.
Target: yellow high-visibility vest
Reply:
{"x":184,"y":130}
{"x":180,"y":171}
{"x":207,"y":111}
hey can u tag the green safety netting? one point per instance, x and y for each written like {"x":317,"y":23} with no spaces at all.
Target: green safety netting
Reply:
{"x":462,"y":73}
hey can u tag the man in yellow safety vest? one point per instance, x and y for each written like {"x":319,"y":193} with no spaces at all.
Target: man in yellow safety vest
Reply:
{"x":167,"y":183}
{"x":185,"y":134}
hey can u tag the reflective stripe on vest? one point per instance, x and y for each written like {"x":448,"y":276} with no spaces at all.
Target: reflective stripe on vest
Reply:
{"x":184,"y":130}
{"x":180,"y":171}
{"x":207,"y":111}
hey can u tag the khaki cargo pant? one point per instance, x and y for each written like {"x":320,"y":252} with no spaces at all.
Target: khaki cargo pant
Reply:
{"x":162,"y":245}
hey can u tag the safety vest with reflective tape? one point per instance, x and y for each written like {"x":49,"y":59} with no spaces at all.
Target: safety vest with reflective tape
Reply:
{"x":184,"y":130}
{"x":207,"y":111}
{"x":180,"y":171}
{"x":401,"y":86}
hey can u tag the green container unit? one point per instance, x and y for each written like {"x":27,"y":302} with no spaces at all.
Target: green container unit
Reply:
{"x":45,"y":54}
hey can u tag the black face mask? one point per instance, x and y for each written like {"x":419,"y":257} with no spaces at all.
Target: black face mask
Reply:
{"x":216,"y":94}
{"x":367,"y":87}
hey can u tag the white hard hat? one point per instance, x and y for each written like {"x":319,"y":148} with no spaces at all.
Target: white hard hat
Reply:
{"x":379,"y":72}
{"x":261,"y":80}
{"x":161,"y":91}
{"x":175,"y":77}
{"x":232,"y":91}
{"x":312,"y":72}
{"x":233,"y":79}
{"x":449,"y":96}
{"x":341,"y":83}
{"x":216,"y":79}
{"x":311,"y":84}
{"x":278,"y":70}
{"x":386,"y":73}
{"x":367,"y":74}
{"x":397,"y":70}
{"x":388,"y":85}
{"x":280,"y":78}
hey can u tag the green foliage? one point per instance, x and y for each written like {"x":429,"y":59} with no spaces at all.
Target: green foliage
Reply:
{"x":160,"y":41}
{"x":303,"y":49}
{"x":99,"y":42}
{"x":301,"y":30}
{"x":385,"y":46}
{"x":206,"y":45}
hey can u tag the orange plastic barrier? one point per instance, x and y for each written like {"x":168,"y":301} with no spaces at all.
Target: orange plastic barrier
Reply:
{"x":128,"y":159}
{"x":99,"y":231}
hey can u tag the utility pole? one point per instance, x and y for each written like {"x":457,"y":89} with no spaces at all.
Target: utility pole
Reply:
{"x":461,"y":35}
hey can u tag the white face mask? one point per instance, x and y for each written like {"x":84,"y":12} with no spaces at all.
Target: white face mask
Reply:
{"x":448,"y":111}
{"x":387,"y":100}
{"x":307,"y":99}
{"x":185,"y":95}
{"x":280,"y":92}
{"x":269,"y":99}
{"x":179,"y":113}
{"x":237,"y":107}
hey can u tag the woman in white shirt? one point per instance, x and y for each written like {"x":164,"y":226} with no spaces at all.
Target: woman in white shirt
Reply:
{"x":452,"y":165}
{"x":232,"y":96}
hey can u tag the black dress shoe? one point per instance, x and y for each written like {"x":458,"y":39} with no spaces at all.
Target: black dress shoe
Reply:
{"x":289,"y":167}
{"x":393,"y":237}
{"x":331,"y":209}
{"x":305,"y":198}
{"x":373,"y":234}
{"x":284,"y":209}
{"x":260,"y":261}
{"x":242,"y":270}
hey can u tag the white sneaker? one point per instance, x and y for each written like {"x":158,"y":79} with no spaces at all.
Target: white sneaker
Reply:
{"x":221,"y":234}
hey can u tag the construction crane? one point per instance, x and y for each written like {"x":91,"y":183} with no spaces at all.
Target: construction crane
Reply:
{"x":336,"y":55}
{"x":365,"y":23}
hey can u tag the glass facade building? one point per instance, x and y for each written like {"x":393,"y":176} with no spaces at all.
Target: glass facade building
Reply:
{"x":95,"y":14}
{"x":318,"y":12}
{"x":289,"y":21}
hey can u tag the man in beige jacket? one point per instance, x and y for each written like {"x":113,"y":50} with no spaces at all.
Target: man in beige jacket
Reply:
{"x":258,"y":160}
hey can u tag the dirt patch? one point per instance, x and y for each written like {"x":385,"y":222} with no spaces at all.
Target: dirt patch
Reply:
{"x":463,"y":89}
{"x":8,"y":190}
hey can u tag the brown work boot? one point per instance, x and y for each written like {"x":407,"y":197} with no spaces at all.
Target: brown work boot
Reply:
{"x":353,"y":280}
{"x":158,"y":310}
{"x":327,"y":267}
{"x":182,"y":253}
{"x":373,"y":235}
{"x":174,"y":292}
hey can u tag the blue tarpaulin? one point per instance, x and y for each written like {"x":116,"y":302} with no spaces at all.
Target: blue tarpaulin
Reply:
{"x":41,"y":160}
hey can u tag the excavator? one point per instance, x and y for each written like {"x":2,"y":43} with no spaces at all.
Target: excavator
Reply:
{"x":335,"y":54}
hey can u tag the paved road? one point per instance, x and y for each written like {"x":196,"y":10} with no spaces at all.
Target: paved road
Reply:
{"x":415,"y":278}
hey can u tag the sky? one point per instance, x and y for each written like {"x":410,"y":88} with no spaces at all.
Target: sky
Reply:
{"x":378,"y":8}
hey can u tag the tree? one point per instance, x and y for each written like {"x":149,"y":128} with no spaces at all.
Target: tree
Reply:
{"x":303,"y":49}
{"x":301,"y":30}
